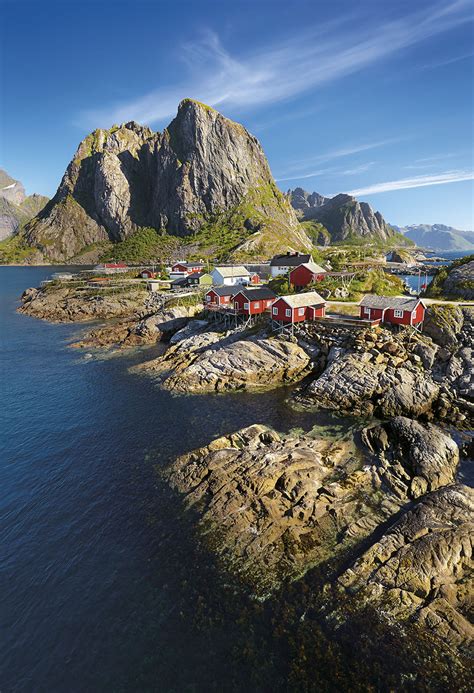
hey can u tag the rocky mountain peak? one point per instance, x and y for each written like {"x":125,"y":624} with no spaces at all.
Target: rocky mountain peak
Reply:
{"x":342,"y":215}
{"x":128,"y":177}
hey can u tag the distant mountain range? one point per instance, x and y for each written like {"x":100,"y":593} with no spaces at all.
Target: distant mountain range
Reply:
{"x":438,"y":236}
{"x":340,"y":218}
{"x":16,"y":208}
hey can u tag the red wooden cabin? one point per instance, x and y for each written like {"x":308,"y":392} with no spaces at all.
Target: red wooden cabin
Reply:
{"x":393,"y":310}
{"x":187,"y":267}
{"x":219,"y":296}
{"x":298,"y":308}
{"x":254,"y":301}
{"x":305,"y":274}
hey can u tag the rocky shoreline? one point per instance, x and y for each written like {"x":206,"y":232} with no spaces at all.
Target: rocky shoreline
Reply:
{"x":382,"y":505}
{"x":390,"y":518}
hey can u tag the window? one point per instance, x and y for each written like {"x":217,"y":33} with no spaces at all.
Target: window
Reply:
{"x":367,"y":311}
{"x":300,"y":311}
{"x":208,"y":299}
{"x":398,"y":313}
{"x":288,"y":312}
{"x":275,"y":311}
{"x":246,"y":306}
{"x":256,"y":304}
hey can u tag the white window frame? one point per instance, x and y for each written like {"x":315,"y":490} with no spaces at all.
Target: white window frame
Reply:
{"x":256,"y":304}
{"x":208,"y":298}
{"x":397,"y":313}
{"x":367,"y":311}
{"x":300,"y":311}
{"x":275,"y":311}
{"x":288,"y":312}
{"x":246,"y":306}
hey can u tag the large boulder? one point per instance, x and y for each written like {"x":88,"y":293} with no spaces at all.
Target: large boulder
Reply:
{"x":212,"y":362}
{"x":421,"y":568}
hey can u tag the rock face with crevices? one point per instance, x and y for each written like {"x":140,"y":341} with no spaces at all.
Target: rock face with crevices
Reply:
{"x":421,"y":569}
{"x":272,"y":506}
{"x":128,"y":177}
{"x":211,"y":362}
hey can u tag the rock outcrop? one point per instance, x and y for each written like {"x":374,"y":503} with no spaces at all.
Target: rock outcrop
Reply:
{"x":273,"y":506}
{"x":213,"y":362}
{"x":382,"y":373}
{"x":65,"y":304}
{"x":421,"y":568}
{"x":455,"y":281}
{"x":202,"y":166}
{"x":343,"y":216}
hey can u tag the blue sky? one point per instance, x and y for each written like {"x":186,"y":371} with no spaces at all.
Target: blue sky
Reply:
{"x":374,"y":98}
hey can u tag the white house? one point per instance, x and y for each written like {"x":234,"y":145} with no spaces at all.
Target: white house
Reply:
{"x":229,"y":276}
{"x":282,"y":264}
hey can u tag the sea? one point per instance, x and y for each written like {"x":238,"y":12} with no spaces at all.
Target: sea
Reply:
{"x":105,"y":585}
{"x":445,"y":258}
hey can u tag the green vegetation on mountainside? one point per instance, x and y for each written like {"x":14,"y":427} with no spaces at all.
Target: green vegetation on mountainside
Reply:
{"x":14,"y":250}
{"x":145,"y":245}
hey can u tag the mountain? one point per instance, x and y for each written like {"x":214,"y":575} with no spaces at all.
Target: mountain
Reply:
{"x":16,"y":208}
{"x":204,"y":177}
{"x":343,"y":216}
{"x":438,"y":237}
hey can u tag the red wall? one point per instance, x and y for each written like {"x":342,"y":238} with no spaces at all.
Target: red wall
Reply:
{"x":181,"y":268}
{"x":255,"y":307}
{"x":308,"y":314}
{"x":302,"y":276}
{"x":389,"y":315}
{"x":218,"y":300}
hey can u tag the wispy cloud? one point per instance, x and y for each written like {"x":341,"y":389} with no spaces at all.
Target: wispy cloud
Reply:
{"x":417,"y":182}
{"x":283,"y":69}
{"x":312,"y":174}
{"x":330,"y":171}
{"x":357,"y":169}
{"x":446,"y":61}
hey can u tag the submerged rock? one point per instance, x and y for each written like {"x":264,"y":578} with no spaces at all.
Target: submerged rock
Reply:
{"x":274,"y":506}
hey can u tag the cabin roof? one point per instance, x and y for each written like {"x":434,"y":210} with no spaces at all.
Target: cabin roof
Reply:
{"x":261,"y":293}
{"x":308,"y":298}
{"x":312,"y":267}
{"x":223,"y":290}
{"x":289,"y":260}
{"x":235,"y":271}
{"x":188,"y":264}
{"x":395,"y":302}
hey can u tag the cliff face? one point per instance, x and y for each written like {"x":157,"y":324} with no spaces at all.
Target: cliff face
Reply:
{"x":343,"y":216}
{"x":16,"y":208}
{"x":129,"y":176}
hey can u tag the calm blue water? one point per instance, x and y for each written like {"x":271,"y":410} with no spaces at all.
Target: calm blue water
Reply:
{"x":104,"y":585}
{"x":102,"y":579}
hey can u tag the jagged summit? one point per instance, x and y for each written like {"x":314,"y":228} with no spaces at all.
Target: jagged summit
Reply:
{"x":343,"y":216}
{"x":200,"y":166}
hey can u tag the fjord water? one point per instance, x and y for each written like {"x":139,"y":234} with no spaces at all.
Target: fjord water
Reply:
{"x":104,"y":585}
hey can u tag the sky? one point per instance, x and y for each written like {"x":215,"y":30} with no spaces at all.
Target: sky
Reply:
{"x":369,"y":98}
